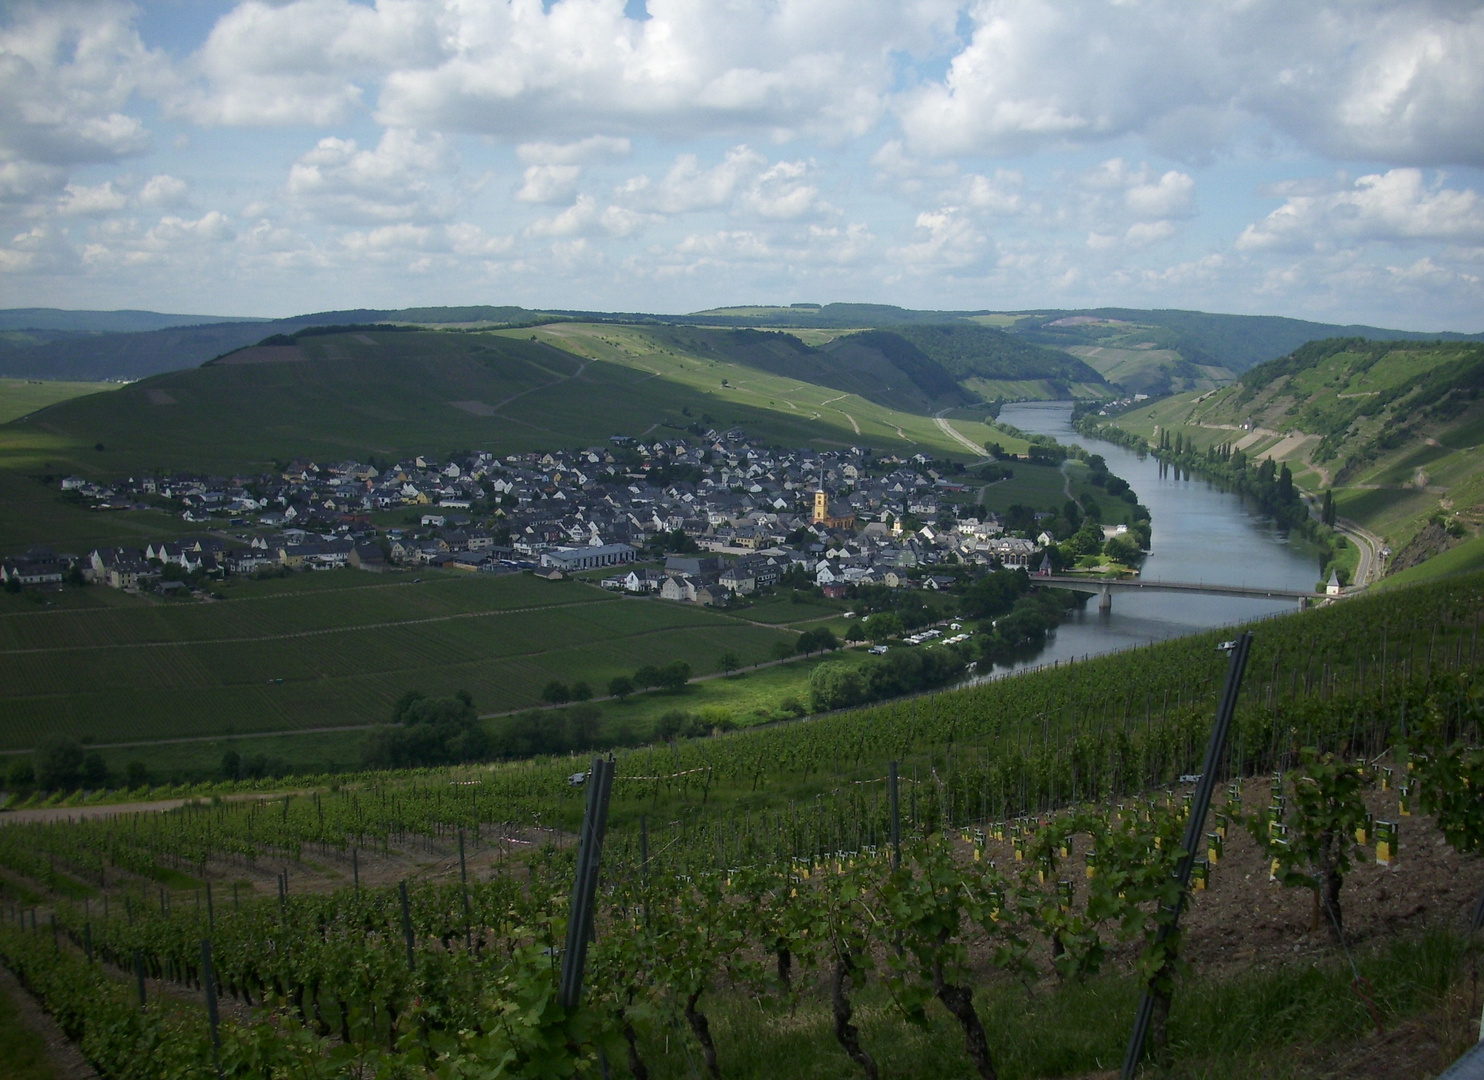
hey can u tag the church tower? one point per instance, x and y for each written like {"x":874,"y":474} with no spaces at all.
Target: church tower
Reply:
{"x":821,"y":506}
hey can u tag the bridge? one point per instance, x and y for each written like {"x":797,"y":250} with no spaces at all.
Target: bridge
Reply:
{"x":1104,"y":588}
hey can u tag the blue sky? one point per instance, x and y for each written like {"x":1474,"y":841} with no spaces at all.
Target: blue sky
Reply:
{"x":1320,"y":160}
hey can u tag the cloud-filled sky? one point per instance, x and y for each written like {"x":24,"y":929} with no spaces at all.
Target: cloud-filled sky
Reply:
{"x":257,"y":157}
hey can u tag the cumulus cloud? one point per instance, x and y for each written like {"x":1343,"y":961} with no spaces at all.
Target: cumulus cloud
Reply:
{"x":525,"y":66}
{"x":305,"y":62}
{"x":946,"y":239}
{"x":67,"y":72}
{"x":549,"y":183}
{"x":573,"y":153}
{"x":79,"y":199}
{"x":1403,"y":83}
{"x":341,"y":182}
{"x":1397,"y":206}
{"x":163,"y":190}
{"x":743,"y":180}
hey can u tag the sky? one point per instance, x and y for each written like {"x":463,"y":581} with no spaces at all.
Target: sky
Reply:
{"x":1321,"y":160}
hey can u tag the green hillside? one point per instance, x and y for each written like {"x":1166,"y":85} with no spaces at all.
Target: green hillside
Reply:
{"x":396,"y":393}
{"x":1392,"y":429}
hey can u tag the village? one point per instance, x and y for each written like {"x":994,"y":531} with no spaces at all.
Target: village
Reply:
{"x":733,"y":516}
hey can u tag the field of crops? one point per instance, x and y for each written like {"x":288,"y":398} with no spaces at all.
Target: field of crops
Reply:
{"x":754,"y":907}
{"x":334,"y":650}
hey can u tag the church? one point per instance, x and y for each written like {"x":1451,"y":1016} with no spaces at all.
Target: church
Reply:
{"x":839,"y":516}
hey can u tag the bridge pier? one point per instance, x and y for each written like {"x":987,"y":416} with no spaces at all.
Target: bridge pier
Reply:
{"x":1105,"y":600}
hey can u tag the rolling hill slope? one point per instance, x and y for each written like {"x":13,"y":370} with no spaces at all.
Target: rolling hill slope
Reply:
{"x":392,"y":394}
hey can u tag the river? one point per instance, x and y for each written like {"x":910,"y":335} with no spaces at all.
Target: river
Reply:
{"x":1199,"y":534}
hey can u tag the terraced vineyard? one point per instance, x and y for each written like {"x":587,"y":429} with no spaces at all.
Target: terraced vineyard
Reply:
{"x":753,"y":916}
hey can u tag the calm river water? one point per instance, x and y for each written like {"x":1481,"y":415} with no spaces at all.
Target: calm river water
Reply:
{"x":1200,"y":534}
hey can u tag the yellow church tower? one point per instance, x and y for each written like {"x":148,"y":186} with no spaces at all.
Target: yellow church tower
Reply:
{"x":821,"y":506}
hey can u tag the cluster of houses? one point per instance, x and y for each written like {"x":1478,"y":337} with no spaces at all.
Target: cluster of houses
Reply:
{"x":755,"y":513}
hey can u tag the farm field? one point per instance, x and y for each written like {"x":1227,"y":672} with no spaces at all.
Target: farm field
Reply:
{"x":334,"y":649}
{"x":21,"y":396}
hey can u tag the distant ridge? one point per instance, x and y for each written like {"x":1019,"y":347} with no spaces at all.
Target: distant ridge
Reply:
{"x":1186,"y":349}
{"x":94,"y":322}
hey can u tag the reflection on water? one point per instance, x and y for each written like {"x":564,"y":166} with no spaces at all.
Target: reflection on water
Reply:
{"x":1199,"y":534}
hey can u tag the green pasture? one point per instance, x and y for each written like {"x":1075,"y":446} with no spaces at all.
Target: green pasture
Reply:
{"x":271,"y":659}
{"x":21,"y":396}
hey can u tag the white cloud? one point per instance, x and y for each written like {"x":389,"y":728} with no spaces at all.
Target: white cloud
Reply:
{"x":742,"y":180}
{"x":548,"y":183}
{"x":163,"y":190}
{"x":523,"y":67}
{"x":67,"y":72}
{"x":997,"y":194}
{"x":575,"y":219}
{"x":209,"y":227}
{"x":341,"y":182}
{"x":947,"y":239}
{"x":102,"y":198}
{"x":305,"y":62}
{"x":1172,"y":195}
{"x":1396,"y":206}
{"x":1404,"y":83}
{"x":575,"y":153}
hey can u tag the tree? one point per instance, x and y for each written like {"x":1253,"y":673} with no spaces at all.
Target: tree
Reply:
{"x":728,"y":662}
{"x":94,"y":770}
{"x":231,"y":765}
{"x":556,"y":693}
{"x":1123,"y":550}
{"x":581,"y":691}
{"x":58,"y":763}
{"x":620,"y":686}
{"x":821,"y":639}
{"x":883,"y":625}
{"x":836,"y":685}
{"x":433,"y":731}
{"x":647,"y":676}
{"x":21,"y":775}
{"x":136,"y":774}
{"x":674,"y":675}
{"x":782,"y":650}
